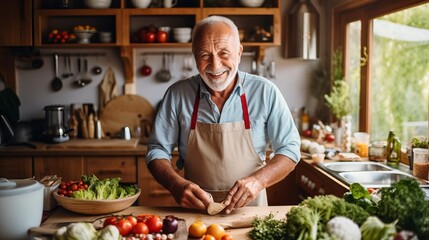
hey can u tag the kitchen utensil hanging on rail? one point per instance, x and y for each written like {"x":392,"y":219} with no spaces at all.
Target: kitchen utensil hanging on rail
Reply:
{"x":56,"y":83}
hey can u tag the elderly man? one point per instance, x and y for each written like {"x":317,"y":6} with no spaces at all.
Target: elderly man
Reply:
{"x":222,"y":121}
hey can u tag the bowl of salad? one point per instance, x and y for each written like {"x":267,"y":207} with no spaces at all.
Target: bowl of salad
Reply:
{"x":93,"y":196}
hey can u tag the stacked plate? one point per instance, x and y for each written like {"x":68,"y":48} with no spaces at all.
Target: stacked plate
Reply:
{"x":182,"y":34}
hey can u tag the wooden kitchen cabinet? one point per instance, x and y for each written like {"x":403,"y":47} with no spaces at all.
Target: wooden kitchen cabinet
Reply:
{"x":124,"y":20}
{"x":315,"y":182}
{"x":153,"y":194}
{"x":16,"y":23}
{"x":16,"y":167}
{"x":68,"y":168}
{"x":109,"y":167}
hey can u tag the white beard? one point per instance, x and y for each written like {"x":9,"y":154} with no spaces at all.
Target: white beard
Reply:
{"x":217,"y":85}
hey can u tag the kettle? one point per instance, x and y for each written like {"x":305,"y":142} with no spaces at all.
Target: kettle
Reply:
{"x":55,"y":130}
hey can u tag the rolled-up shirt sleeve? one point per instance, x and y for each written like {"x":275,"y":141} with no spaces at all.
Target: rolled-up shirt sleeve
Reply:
{"x":165,"y":130}
{"x":282,"y":132}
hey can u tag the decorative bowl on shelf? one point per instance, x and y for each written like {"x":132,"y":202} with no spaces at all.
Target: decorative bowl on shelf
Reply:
{"x":141,"y":3}
{"x":98,"y":3}
{"x":84,"y":36}
{"x":252,"y":3}
{"x":95,"y":207}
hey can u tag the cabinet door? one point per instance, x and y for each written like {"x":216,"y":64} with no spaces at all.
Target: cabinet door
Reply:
{"x":16,"y":23}
{"x":153,"y":194}
{"x":16,"y":167}
{"x":68,"y":168}
{"x":316,"y":182}
{"x":109,"y":167}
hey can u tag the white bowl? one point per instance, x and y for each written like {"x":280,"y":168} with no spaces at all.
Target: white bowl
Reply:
{"x":182,"y":30}
{"x":98,"y":3}
{"x":182,"y":38}
{"x":105,"y":37}
{"x":251,"y":3}
{"x":141,"y":3}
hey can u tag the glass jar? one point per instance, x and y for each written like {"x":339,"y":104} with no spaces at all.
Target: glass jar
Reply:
{"x":377,"y":151}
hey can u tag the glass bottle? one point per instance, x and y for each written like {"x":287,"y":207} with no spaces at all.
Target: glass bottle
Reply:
{"x":393,"y":148}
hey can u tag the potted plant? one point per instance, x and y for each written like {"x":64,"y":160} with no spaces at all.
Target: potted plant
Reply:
{"x":338,"y":100}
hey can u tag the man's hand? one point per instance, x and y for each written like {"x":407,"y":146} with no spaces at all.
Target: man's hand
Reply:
{"x":190,"y":195}
{"x":242,"y":193}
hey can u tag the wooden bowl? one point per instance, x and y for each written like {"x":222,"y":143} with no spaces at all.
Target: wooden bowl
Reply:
{"x":95,"y":207}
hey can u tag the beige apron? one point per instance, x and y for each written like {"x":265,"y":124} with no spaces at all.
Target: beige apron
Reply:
{"x":220,"y":154}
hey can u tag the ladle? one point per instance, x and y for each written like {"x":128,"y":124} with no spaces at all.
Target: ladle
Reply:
{"x":56,"y":83}
{"x":164,"y":74}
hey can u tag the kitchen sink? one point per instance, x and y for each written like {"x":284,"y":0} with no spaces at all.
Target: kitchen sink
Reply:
{"x":375,"y":179}
{"x":355,"y":166}
{"x":368,"y":174}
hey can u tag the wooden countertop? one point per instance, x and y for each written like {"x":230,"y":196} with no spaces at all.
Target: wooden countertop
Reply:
{"x":190,"y":216}
{"x":76,"y":147}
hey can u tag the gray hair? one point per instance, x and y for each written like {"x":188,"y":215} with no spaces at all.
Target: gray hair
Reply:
{"x":211,"y":21}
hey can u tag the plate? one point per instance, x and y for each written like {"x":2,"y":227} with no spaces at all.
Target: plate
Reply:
{"x":95,"y":207}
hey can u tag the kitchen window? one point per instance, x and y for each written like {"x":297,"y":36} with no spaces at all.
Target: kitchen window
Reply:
{"x":386,"y":62}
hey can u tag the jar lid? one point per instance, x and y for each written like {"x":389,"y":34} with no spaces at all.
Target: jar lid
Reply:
{"x":18,"y":186}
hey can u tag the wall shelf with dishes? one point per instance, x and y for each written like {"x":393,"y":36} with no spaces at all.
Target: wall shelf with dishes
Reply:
{"x":258,"y":20}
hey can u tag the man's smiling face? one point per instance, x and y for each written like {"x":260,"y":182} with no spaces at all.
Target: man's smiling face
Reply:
{"x":218,"y":56}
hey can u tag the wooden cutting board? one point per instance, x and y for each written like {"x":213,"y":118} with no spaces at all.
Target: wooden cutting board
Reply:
{"x":125,"y":111}
{"x":96,"y":143}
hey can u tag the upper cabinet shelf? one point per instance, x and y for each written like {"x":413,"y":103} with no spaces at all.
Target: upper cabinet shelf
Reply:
{"x":259,"y":27}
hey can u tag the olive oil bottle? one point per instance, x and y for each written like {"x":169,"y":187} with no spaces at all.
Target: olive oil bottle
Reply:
{"x":393,"y":150}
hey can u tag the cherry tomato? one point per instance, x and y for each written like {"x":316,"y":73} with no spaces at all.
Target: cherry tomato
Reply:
{"x":371,"y":190}
{"x":74,"y":187}
{"x":154,"y":224}
{"x":124,"y":226}
{"x":140,"y":228}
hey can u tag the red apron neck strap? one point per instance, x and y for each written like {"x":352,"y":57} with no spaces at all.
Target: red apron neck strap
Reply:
{"x":195,"y":111}
{"x":243,"y":106}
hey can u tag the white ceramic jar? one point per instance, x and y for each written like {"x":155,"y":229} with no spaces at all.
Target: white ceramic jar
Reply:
{"x":21,"y":207}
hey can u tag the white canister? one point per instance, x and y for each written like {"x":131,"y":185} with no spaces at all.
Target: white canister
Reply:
{"x":21,"y":207}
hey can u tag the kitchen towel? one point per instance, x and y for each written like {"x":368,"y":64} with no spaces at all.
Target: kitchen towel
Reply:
{"x":107,"y":89}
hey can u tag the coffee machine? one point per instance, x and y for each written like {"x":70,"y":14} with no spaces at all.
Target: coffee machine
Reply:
{"x":55,"y":130}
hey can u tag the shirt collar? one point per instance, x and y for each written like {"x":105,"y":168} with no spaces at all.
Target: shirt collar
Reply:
{"x":238,"y":89}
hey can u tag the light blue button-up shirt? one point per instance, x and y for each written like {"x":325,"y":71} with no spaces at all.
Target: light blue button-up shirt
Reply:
{"x":270,"y":118}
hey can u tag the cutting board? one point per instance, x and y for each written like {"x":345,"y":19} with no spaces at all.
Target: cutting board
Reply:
{"x":125,"y":111}
{"x":96,"y":144}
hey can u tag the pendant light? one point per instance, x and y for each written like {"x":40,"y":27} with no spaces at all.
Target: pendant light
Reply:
{"x":302,"y":37}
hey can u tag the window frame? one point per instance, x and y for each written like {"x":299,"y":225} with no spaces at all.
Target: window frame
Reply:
{"x":365,"y":11}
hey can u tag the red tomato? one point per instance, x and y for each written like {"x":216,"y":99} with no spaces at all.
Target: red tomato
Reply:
{"x":144,"y":217}
{"x":74,"y":187}
{"x":131,"y":219}
{"x":140,"y":228}
{"x":307,"y":133}
{"x":330,"y":138}
{"x":154,"y":224}
{"x":110,"y":221}
{"x":161,"y":36}
{"x":124,"y":226}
